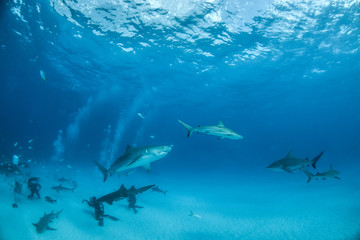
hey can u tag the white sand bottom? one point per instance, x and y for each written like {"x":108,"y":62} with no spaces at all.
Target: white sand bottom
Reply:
{"x":236,"y":209}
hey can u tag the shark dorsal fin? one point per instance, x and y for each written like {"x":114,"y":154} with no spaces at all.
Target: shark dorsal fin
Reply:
{"x":128,"y":147}
{"x":221,"y":124}
{"x":290,"y":154}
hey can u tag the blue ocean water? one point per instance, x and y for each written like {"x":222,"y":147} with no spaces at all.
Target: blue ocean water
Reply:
{"x":82,"y":79}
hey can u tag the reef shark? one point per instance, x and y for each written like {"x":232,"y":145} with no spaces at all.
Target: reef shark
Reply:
{"x":44,"y":221}
{"x":291,"y":163}
{"x":329,"y":174}
{"x":122,"y":193}
{"x":219,"y":130}
{"x":157,"y":189}
{"x":135,"y":157}
{"x":62,"y":188}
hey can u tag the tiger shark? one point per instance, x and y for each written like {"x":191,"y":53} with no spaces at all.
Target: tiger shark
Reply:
{"x":291,"y":164}
{"x":135,"y":157}
{"x":219,"y":130}
{"x":329,"y":174}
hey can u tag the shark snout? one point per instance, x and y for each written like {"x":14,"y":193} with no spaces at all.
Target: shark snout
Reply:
{"x":274,"y":167}
{"x":166,"y":148}
{"x":162,"y":150}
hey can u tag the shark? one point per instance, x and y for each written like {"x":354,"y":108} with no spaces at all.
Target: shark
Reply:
{"x":195,"y":215}
{"x":135,"y":157}
{"x":219,"y":130}
{"x":157,"y":189}
{"x":331,"y":173}
{"x":291,"y":164}
{"x":62,"y":188}
{"x":122,"y":193}
{"x":44,"y":221}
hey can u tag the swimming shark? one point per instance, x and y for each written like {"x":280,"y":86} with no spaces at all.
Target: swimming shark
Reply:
{"x":122,"y":193}
{"x":195,"y":215}
{"x":291,"y":163}
{"x":62,"y":188}
{"x":219,"y":130}
{"x":329,"y":174}
{"x":135,"y":157}
{"x":44,"y":221}
{"x":157,"y":189}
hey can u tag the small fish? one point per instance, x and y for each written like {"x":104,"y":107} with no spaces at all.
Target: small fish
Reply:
{"x":152,"y":136}
{"x":15,"y":144}
{"x":50,"y":200}
{"x":31,"y":140}
{"x":42,"y":74}
{"x":140,"y":115}
{"x":15,"y":159}
{"x":195,"y":215}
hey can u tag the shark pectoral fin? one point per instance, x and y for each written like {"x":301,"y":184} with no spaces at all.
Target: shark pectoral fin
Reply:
{"x":50,"y":228}
{"x":35,"y":224}
{"x":337,"y":178}
{"x":287,"y":170}
{"x":147,"y":167}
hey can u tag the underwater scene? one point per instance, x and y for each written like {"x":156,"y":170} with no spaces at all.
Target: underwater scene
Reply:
{"x":186,"y":119}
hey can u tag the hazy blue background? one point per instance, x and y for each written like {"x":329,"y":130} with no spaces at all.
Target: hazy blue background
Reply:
{"x":284,"y":74}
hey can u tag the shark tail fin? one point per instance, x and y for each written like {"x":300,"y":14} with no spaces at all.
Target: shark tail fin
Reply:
{"x":309,"y":174}
{"x":103,"y":170}
{"x":314,"y":161}
{"x":188,"y":128}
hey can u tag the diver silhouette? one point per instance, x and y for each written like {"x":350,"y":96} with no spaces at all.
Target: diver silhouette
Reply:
{"x":132,"y":199}
{"x":17,"y":191}
{"x":99,"y":209}
{"x":34,"y":187}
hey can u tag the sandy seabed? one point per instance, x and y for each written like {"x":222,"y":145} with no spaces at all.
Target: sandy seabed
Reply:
{"x":224,"y":207}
